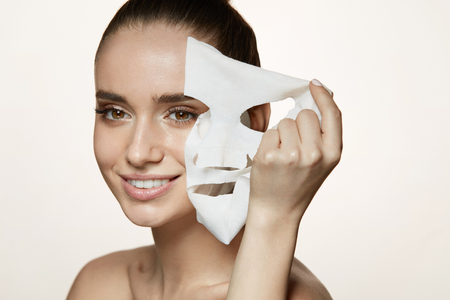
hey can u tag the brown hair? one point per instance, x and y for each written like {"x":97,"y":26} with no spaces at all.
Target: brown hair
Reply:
{"x":214,"y":21}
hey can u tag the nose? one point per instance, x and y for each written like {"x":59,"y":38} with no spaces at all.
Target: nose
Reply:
{"x":146,"y":145}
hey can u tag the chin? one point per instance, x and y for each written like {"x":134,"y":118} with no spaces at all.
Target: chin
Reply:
{"x":154,"y":215}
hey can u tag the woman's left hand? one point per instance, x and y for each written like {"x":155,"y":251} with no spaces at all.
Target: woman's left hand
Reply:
{"x":291,"y":164}
{"x":293,"y":160}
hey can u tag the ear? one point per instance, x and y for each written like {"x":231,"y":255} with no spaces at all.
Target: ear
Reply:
{"x":259,"y":117}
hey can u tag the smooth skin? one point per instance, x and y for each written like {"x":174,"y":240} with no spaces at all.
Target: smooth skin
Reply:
{"x":139,"y":133}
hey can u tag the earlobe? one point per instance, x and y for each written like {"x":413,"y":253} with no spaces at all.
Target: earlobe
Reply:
{"x":259,"y":117}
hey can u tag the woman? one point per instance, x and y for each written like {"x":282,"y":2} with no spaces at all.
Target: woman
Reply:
{"x":142,"y":122}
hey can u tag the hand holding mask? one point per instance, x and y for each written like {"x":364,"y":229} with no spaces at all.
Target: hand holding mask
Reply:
{"x":220,"y":149}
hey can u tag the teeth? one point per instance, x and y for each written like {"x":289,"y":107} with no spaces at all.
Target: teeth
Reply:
{"x":139,"y":184}
{"x":148,"y":184}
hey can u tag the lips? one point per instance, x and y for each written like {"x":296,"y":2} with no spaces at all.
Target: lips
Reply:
{"x":147,"y":187}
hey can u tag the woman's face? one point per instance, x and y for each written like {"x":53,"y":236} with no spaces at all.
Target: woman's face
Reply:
{"x":143,"y":121}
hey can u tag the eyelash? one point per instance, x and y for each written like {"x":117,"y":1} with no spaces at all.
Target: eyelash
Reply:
{"x":105,"y":111}
{"x":192,"y":114}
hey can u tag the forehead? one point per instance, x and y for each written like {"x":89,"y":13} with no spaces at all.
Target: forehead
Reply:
{"x":150,"y":59}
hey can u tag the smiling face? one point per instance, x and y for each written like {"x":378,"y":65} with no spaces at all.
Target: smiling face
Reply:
{"x":143,"y":121}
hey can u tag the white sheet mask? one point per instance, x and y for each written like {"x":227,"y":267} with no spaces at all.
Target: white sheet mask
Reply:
{"x":219,"y":149}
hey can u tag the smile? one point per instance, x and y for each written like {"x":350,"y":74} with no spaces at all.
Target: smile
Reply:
{"x":145,"y":189}
{"x":148,"y":184}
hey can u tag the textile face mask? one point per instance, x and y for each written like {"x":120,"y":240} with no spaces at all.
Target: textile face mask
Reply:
{"x":220,"y":148}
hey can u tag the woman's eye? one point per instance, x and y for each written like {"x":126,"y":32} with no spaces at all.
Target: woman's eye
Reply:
{"x":182,"y":116}
{"x":112,"y":114}
{"x":116,"y":114}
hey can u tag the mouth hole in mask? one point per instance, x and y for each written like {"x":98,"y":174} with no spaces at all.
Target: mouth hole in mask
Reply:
{"x":279,"y":110}
{"x":214,"y":189}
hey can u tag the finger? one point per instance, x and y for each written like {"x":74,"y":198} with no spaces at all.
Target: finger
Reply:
{"x":309,"y":127}
{"x":331,"y":115}
{"x":289,"y":134}
{"x":270,"y":141}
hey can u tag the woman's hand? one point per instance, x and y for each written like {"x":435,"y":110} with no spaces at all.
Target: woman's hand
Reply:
{"x":291,"y":164}
{"x":293,"y":160}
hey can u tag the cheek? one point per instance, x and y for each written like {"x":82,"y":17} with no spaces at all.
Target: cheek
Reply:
{"x":176,"y":141}
{"x":106,"y":148}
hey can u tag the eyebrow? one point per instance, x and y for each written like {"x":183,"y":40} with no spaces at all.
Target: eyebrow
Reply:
{"x":172,"y":98}
{"x":166,"y":98}
{"x":110,"y":96}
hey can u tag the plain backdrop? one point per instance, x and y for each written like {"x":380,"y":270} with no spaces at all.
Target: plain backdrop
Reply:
{"x":379,"y":228}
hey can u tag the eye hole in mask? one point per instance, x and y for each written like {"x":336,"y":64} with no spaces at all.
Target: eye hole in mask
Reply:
{"x":245,"y":119}
{"x":279,"y":110}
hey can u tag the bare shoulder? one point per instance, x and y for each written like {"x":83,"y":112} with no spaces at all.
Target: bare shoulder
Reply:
{"x":304,"y":285}
{"x":107,"y":277}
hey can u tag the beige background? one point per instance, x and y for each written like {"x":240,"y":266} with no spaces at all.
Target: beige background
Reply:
{"x":378,"y":229}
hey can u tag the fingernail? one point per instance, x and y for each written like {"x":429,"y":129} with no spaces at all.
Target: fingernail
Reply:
{"x":316,"y":82}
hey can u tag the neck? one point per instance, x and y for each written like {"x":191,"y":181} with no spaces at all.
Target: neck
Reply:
{"x":187,"y":252}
